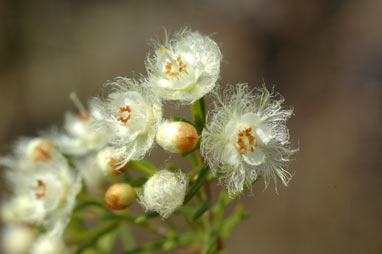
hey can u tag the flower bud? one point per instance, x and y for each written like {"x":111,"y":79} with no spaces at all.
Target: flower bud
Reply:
{"x":177,"y":137}
{"x":120,"y":195}
{"x":110,"y":164}
{"x":17,"y":239}
{"x":164,"y":192}
{"x":40,"y":150}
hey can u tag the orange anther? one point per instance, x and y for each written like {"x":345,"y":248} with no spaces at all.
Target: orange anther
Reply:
{"x":40,"y":189}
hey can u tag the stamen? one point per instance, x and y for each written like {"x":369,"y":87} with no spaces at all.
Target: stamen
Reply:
{"x":124,"y":110}
{"x":40,"y":190}
{"x":246,"y":141}
{"x":181,"y":67}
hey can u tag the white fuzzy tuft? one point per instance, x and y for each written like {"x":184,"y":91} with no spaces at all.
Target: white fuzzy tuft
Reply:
{"x":164,"y":192}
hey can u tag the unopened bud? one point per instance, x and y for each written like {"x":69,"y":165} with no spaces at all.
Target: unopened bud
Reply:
{"x":40,"y":150}
{"x":177,"y":137}
{"x":120,"y":196}
{"x":110,"y":164}
{"x":17,"y":239}
{"x":164,"y":192}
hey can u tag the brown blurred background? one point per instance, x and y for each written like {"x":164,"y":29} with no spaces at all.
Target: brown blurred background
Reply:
{"x":324,"y":56}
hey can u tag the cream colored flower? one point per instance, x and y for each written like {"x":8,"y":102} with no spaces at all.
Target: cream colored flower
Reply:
{"x":164,"y":192}
{"x":44,"y":190}
{"x":80,"y":137}
{"x":185,"y":67}
{"x":131,"y":114}
{"x":246,"y":136}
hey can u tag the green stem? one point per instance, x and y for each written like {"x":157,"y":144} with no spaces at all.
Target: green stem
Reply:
{"x":143,"y":166}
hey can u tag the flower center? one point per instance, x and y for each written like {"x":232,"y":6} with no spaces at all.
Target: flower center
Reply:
{"x":246,"y":141}
{"x":174,"y":68}
{"x":40,"y":189}
{"x":124,"y":114}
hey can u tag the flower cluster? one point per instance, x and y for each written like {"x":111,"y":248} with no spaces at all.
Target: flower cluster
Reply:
{"x":243,"y":137}
{"x":44,"y":188}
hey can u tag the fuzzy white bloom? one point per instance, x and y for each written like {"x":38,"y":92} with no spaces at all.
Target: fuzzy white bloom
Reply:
{"x":164,"y":192}
{"x":81,"y":138}
{"x":17,"y":239}
{"x":185,"y":67}
{"x":246,"y":136}
{"x":44,"y":191}
{"x":177,"y":137}
{"x":131,"y":114}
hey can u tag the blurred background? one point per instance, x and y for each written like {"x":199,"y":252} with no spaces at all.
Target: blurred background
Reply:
{"x":323,"y":56}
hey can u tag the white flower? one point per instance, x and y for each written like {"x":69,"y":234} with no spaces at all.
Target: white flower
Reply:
{"x":246,"y":136}
{"x":164,"y":192}
{"x":17,"y":239}
{"x":131,"y":113}
{"x":81,"y":137}
{"x":44,"y":192}
{"x":184,"y":68}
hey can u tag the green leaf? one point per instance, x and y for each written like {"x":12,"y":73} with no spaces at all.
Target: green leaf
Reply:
{"x":229,"y":224}
{"x":198,"y":110}
{"x":143,"y":166}
{"x":172,"y":166}
{"x":147,"y":247}
{"x":210,"y":246}
{"x":180,"y":119}
{"x":197,"y":184}
{"x":95,"y":235}
{"x":86,"y":204}
{"x":126,"y":236}
{"x":138,"y":182}
{"x":202,"y":209}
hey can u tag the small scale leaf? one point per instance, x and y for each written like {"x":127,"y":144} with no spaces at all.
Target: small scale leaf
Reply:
{"x":202,"y":209}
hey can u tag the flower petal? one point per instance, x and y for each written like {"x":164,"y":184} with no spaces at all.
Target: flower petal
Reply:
{"x":254,"y":158}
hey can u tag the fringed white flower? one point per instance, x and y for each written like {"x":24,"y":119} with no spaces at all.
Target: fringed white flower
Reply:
{"x":131,"y":114}
{"x":246,"y":136}
{"x":164,"y":192}
{"x":80,"y":137}
{"x":185,"y":67}
{"x":43,"y":184}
